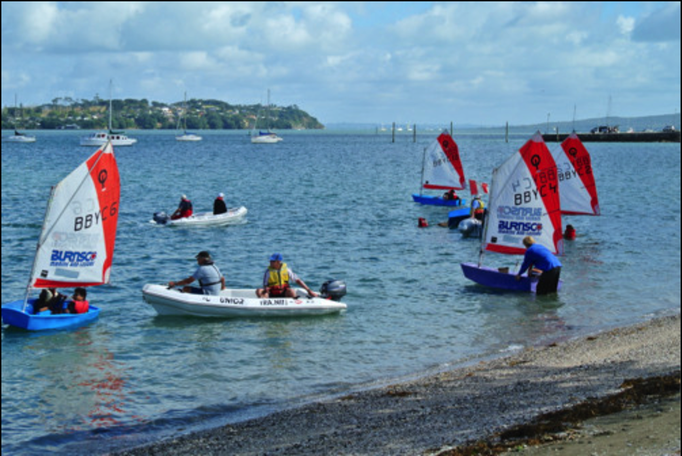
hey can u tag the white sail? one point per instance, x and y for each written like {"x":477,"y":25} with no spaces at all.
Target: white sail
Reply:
{"x":576,"y":179}
{"x":442,"y":166}
{"x":76,"y":245}
{"x":524,"y":201}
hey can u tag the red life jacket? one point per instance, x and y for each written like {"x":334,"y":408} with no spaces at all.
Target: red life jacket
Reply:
{"x":79,"y":307}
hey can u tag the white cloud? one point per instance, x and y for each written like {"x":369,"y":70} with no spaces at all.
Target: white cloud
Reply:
{"x":626,"y":24}
{"x":339,"y":59}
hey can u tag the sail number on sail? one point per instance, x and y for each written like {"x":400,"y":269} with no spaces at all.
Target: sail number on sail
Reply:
{"x":89,"y":220}
{"x":581,"y":167}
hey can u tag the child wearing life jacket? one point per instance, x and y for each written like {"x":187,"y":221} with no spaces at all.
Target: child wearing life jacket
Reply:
{"x":50,"y":299}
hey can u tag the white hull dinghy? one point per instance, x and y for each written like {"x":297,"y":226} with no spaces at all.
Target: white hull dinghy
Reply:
{"x":233,"y":216}
{"x":233,"y":303}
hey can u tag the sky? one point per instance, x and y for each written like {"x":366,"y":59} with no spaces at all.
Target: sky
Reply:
{"x":476,"y":63}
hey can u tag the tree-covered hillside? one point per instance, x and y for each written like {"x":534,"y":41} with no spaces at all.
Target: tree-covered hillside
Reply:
{"x":67,"y":113}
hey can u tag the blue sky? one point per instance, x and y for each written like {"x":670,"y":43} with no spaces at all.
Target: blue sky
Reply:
{"x":377,"y":62}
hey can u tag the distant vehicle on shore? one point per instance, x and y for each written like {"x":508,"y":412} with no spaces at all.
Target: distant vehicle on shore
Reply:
{"x":605,"y":129}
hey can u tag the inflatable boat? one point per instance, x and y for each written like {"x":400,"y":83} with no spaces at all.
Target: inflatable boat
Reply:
{"x":233,"y":303}
{"x":231,"y":217}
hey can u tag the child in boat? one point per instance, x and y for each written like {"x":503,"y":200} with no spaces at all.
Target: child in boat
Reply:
{"x":450,"y":195}
{"x":56,"y":302}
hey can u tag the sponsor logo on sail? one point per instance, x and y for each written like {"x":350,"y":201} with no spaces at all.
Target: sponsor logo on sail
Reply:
{"x":72,"y":258}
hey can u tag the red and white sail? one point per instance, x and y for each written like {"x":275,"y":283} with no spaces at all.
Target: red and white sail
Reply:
{"x":473,"y":187}
{"x":524,"y":201}
{"x":576,"y":179}
{"x":442,"y":166}
{"x":76,"y":246}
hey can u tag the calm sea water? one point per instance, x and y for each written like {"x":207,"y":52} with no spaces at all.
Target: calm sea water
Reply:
{"x":336,"y":206}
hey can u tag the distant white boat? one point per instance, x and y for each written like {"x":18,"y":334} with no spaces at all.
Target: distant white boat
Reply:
{"x":20,"y":138}
{"x":264,"y":137}
{"x":186,"y":136}
{"x":100,"y":138}
{"x":189,"y":137}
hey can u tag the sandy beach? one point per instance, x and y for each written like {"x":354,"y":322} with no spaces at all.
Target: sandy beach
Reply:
{"x":540,"y":396}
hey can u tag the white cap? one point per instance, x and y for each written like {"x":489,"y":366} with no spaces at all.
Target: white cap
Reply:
{"x":220,"y":195}
{"x":184,"y":197}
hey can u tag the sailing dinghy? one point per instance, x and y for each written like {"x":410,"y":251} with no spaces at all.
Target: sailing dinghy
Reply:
{"x":524,"y":201}
{"x":76,"y":244}
{"x":441,"y":170}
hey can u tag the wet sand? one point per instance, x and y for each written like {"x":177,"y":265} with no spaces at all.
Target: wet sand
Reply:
{"x":542,"y":394}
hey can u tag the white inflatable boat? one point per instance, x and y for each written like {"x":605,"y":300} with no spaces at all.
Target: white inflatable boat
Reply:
{"x":239,"y":303}
{"x":231,"y":217}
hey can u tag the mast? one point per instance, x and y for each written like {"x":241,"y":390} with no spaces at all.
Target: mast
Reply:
{"x":184,"y":113}
{"x":485,"y":220}
{"x":267,"y":112}
{"x":38,"y":244}
{"x":110,"y":104}
{"x":421,"y":184}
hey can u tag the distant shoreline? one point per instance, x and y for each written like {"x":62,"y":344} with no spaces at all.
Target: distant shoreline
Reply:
{"x":659,"y":136}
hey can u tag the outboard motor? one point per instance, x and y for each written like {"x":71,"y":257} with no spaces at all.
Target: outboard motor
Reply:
{"x":333,"y":289}
{"x":161,"y":217}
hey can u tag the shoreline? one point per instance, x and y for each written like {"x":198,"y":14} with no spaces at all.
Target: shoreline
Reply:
{"x":490,"y":403}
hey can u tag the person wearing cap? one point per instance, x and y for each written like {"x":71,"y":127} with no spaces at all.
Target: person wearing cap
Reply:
{"x":277,"y":278}
{"x":184,"y":209}
{"x":211,"y":281}
{"x":219,"y":206}
{"x":540,"y":257}
{"x":477,"y":208}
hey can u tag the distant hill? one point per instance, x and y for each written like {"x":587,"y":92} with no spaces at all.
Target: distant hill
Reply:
{"x":66,"y":113}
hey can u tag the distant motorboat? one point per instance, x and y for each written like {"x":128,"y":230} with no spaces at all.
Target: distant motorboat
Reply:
{"x":188,"y":137}
{"x":265,"y":137}
{"x":100,"y":138}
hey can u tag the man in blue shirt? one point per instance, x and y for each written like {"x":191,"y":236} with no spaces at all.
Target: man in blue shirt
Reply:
{"x":541,"y":258}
